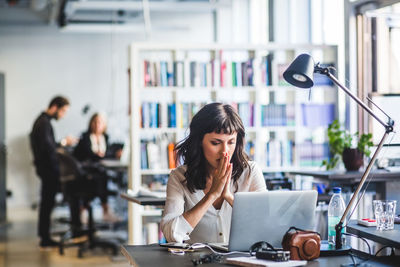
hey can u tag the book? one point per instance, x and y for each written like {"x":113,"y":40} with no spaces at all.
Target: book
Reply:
{"x":147,"y":77}
{"x":171,"y":156}
{"x":315,"y":115}
{"x":223,"y":74}
{"x":163,"y":73}
{"x":153,"y":156}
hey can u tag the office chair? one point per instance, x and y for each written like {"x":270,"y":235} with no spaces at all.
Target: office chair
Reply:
{"x":77,"y":188}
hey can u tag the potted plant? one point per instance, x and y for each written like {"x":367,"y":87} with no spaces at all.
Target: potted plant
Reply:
{"x":340,"y":146}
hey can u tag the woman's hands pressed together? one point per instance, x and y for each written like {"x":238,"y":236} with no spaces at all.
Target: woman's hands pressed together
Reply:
{"x":221,"y":178}
{"x":219,"y":190}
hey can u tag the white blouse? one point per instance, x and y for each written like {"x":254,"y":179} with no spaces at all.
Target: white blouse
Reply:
{"x":215,"y":225}
{"x":98,"y":145}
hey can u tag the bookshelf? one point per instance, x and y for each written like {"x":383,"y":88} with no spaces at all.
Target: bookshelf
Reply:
{"x":170,"y":82}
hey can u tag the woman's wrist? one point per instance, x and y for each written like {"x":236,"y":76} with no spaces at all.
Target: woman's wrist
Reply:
{"x":229,"y":198}
{"x":212,"y":196}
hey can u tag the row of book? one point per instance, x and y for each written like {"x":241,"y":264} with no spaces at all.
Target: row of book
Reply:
{"x":154,"y":116}
{"x":279,"y":153}
{"x":157,"y":153}
{"x":313,"y":115}
{"x":312,"y":154}
{"x":213,"y":73}
{"x":278,"y":115}
{"x":219,"y":73}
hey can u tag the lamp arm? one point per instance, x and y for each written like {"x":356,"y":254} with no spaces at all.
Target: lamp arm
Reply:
{"x":355,"y":98}
{"x":339,"y":226}
{"x":388,"y":129}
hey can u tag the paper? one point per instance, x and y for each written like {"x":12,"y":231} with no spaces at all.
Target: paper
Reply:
{"x":144,"y":192}
{"x":253,"y":261}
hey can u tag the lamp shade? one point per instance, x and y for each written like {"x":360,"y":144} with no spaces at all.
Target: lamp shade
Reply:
{"x":300,"y":72}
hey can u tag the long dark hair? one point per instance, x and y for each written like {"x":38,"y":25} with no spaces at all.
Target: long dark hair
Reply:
{"x":91,"y":122}
{"x":218,"y":118}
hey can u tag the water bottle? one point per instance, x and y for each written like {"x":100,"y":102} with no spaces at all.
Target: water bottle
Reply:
{"x":335,"y":211}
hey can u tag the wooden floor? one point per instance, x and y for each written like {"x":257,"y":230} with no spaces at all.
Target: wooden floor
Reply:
{"x":19,"y":247}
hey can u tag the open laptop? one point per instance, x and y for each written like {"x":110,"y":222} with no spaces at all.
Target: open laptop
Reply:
{"x":266,"y":216}
{"x":117,"y":163}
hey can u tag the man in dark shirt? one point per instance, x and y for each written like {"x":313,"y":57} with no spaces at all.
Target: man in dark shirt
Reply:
{"x":44,"y":147}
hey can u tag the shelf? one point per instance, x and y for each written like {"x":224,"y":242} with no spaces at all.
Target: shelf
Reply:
{"x":192,"y":68}
{"x":155,"y":172}
{"x":208,"y":88}
{"x":147,"y":213}
{"x":152,"y":131}
{"x":168,"y":47}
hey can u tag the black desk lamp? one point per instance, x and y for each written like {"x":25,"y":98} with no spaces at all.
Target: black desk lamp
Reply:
{"x":300,"y":74}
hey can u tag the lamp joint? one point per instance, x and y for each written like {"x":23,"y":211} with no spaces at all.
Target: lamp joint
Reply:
{"x":319,"y":69}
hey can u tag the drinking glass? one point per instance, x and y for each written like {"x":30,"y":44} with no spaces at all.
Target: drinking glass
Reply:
{"x":384,"y":214}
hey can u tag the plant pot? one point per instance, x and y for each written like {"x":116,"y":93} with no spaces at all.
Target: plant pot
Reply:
{"x":352,"y":158}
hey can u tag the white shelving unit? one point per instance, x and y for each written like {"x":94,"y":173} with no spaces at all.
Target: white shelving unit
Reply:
{"x":259,"y":94}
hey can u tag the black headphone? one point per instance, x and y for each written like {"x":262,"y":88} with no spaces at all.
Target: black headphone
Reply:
{"x":261,"y":246}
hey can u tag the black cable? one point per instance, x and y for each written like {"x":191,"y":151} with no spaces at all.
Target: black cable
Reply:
{"x":369,"y":250}
{"x":376,"y":254}
{"x":363,"y":239}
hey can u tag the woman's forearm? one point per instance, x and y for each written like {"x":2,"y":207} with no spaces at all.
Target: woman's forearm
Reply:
{"x":194,"y":215}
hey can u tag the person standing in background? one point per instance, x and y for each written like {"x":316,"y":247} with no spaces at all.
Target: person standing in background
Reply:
{"x":46,"y":162}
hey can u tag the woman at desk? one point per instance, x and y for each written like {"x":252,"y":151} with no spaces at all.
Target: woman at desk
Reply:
{"x":200,"y":196}
{"x":92,"y":147}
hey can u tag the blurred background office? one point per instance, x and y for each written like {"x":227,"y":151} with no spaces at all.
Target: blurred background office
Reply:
{"x":80,"y":49}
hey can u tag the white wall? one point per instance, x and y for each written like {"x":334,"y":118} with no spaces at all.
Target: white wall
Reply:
{"x":39,"y":62}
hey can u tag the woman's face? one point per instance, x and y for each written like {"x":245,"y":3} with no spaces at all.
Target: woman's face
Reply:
{"x":99,"y":125}
{"x":215,"y":144}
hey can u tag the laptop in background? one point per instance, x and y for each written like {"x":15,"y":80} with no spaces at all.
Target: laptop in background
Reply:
{"x":266,"y":216}
{"x":122,"y":162}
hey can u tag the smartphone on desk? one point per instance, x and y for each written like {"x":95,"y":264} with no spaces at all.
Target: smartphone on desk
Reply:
{"x":175,"y":245}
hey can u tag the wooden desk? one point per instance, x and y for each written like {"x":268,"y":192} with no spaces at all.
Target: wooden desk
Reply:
{"x":154,"y":255}
{"x":387,"y":238}
{"x":144,"y":201}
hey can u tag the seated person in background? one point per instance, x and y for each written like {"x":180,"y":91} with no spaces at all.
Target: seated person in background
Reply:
{"x":92,"y":147}
{"x":200,"y":196}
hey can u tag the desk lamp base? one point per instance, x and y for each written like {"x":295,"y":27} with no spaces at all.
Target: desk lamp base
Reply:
{"x":328,"y":250}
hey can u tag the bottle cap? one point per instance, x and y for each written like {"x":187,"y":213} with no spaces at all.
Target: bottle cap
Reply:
{"x":337,"y":190}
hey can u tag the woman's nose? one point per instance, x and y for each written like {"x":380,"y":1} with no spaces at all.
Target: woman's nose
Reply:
{"x":225,"y":148}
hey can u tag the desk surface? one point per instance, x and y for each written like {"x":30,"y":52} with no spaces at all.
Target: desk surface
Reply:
{"x":154,"y":255}
{"x":387,"y":238}
{"x":113,"y":163}
{"x":378,"y":175}
{"x":153,"y":201}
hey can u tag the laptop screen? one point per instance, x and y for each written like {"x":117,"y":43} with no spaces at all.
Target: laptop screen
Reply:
{"x":266,"y":216}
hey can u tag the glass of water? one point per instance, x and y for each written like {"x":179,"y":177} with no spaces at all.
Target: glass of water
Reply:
{"x":384,"y":213}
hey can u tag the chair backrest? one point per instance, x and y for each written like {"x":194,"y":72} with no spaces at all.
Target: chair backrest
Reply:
{"x":70,"y":168}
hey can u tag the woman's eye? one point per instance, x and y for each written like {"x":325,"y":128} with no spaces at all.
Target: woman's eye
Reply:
{"x":214,"y":143}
